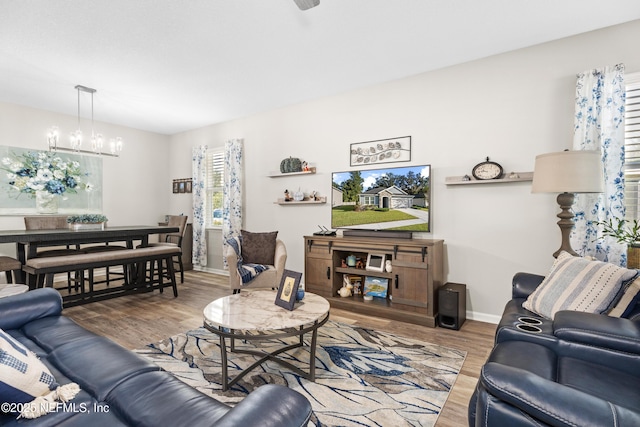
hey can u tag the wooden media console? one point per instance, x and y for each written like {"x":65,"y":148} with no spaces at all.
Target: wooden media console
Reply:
{"x":412,"y":285}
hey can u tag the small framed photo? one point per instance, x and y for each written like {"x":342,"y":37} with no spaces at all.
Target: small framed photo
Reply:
{"x":181,"y":186}
{"x":176,"y":187}
{"x":189,"y":186}
{"x":288,"y":289}
{"x":375,"y":262}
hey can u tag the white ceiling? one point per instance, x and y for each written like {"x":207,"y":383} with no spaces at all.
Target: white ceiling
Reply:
{"x":172,"y":65}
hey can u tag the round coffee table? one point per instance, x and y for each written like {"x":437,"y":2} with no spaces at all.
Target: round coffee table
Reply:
{"x":254,"y":316}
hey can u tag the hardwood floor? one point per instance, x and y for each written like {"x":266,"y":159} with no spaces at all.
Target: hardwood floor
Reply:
{"x":136,"y":320}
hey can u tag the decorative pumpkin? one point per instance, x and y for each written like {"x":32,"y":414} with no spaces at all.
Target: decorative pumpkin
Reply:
{"x":292,"y":164}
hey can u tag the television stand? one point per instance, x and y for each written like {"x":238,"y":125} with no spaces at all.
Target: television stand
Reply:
{"x":412,"y":285}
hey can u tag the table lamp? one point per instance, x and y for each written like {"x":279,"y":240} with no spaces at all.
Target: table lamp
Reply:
{"x":567,"y":173}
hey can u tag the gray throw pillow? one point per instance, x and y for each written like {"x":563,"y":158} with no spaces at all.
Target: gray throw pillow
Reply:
{"x":259,"y":248}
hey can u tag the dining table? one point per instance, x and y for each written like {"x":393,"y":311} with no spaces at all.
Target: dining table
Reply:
{"x":28,"y":241}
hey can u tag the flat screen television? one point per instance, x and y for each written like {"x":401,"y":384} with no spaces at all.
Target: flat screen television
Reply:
{"x":391,"y":198}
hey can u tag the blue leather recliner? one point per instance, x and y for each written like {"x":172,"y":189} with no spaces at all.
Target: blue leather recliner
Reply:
{"x":580,"y":369}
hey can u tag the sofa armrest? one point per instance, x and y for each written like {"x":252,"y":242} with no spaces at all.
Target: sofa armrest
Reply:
{"x":523,"y":284}
{"x":550,"y":402}
{"x":269,"y":405}
{"x":598,"y":330}
{"x":18,"y":310}
{"x":280,"y":258}
{"x":235,"y":281}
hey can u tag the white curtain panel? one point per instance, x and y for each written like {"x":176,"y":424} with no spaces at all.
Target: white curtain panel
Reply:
{"x":199,"y":178}
{"x":599,"y":125}
{"x":232,"y":200}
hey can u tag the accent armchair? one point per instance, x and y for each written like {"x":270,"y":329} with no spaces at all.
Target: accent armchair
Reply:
{"x":267,"y":279}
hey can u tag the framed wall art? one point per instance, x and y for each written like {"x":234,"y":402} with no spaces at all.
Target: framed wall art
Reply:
{"x":184,"y":185}
{"x":381,"y":151}
{"x":48,"y":182}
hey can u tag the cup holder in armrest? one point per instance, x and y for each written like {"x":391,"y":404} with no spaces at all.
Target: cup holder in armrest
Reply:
{"x":530,"y":320}
{"x":529,"y":328}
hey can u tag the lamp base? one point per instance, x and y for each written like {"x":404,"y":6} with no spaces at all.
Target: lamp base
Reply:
{"x":565,"y":200}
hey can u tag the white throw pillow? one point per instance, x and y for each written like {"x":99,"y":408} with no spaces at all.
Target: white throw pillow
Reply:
{"x":26,"y":384}
{"x":579,"y":284}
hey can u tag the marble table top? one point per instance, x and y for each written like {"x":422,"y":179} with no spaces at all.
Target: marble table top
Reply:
{"x":256,"y":310}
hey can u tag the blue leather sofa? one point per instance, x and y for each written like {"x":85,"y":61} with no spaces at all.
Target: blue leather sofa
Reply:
{"x":580,"y":369}
{"x":118,"y":388}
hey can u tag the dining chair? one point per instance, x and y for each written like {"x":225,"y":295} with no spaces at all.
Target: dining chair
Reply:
{"x":53,"y":222}
{"x":8,"y":265}
{"x":175,"y":239}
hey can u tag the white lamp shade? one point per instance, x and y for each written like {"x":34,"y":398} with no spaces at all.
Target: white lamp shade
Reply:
{"x":568,"y":172}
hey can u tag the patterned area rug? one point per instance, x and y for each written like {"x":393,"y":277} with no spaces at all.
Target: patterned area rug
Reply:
{"x":363,"y":377}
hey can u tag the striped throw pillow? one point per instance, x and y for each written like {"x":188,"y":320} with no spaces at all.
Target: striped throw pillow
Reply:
{"x":629,"y":300}
{"x":579,"y":284}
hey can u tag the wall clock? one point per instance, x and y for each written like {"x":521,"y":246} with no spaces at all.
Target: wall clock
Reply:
{"x":487,"y":170}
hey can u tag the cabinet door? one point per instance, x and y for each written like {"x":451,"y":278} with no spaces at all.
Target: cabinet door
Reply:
{"x":318,"y":268}
{"x":410,"y":284}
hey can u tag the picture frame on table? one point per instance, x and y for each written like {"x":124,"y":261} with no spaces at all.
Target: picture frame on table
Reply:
{"x":288,"y":289}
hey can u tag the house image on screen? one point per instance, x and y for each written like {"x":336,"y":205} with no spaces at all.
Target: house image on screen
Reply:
{"x":391,"y":198}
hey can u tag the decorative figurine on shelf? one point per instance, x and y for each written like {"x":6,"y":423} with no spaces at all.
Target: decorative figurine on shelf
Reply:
{"x":387,"y":266}
{"x":351,"y":260}
{"x":287,"y":196}
{"x":298,"y":196}
{"x":357,"y":288}
{"x":305,"y":166}
{"x":466,"y":178}
{"x":344,"y":264}
{"x":359,"y":264}
{"x":345,"y":290}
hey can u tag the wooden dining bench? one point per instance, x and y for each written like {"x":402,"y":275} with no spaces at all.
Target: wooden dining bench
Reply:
{"x":40,"y":272}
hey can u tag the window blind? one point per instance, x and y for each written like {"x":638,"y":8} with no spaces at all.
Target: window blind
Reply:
{"x":215,"y":183}
{"x":632,"y":145}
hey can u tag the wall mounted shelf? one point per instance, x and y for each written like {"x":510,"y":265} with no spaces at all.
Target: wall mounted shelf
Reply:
{"x":302,"y":202}
{"x":521,"y":177}
{"x":280,"y":175}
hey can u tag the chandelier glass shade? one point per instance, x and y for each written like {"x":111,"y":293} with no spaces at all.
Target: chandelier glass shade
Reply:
{"x":76,"y":137}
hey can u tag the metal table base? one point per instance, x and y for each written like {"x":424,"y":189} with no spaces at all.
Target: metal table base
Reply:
{"x":225,"y":333}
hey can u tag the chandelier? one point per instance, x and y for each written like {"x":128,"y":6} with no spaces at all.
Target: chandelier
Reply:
{"x":307,"y":4}
{"x":76,"y":138}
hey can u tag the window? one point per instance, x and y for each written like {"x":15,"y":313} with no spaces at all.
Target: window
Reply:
{"x":632,"y":146}
{"x":215,"y":184}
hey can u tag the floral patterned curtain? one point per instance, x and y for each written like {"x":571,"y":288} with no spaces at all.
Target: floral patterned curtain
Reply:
{"x":199,"y":178}
{"x":232,"y":201}
{"x":599,"y":125}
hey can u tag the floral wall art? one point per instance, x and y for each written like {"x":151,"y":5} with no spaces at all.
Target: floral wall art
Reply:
{"x":43,"y":182}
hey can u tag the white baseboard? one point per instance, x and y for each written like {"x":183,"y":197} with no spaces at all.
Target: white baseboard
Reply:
{"x":211,"y":270}
{"x":483,"y":317}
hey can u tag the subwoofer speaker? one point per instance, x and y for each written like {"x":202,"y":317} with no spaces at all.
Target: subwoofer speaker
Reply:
{"x":452,"y":305}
